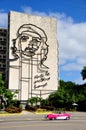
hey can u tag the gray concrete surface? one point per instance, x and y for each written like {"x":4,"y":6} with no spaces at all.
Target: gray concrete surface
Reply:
{"x":24,"y":115}
{"x":30,"y":121}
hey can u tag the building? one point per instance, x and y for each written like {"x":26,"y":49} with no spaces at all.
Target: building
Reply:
{"x":29,"y":55}
{"x":3,"y":54}
{"x":33,"y":55}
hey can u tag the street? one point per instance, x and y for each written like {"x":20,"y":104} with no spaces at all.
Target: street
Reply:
{"x":36,"y":122}
{"x":44,"y":125}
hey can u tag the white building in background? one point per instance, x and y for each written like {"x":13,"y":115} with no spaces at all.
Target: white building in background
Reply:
{"x":33,"y":54}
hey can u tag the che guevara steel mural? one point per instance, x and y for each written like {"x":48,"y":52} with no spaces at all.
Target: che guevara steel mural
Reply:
{"x":30,"y":45}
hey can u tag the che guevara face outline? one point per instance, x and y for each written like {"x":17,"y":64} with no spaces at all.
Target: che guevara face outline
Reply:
{"x":30,"y":40}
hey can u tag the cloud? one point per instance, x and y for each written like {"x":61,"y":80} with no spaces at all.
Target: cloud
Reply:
{"x":3,"y":18}
{"x":72,"y":45}
{"x":71,"y":38}
{"x":71,"y":66}
{"x":79,"y":80}
{"x":29,"y":10}
{"x":81,"y":60}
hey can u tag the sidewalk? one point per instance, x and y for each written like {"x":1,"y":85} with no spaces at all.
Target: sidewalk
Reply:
{"x":24,"y":115}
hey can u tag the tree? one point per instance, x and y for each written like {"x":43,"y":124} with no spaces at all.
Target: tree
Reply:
{"x":33,"y":101}
{"x":1,"y":85}
{"x":83,"y":73}
{"x":64,"y":96}
{"x":6,"y":94}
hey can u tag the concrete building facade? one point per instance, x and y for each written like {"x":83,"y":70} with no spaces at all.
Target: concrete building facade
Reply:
{"x":3,"y":54}
{"x":33,"y":55}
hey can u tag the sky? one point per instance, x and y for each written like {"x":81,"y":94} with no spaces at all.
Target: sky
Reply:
{"x":71,"y":30}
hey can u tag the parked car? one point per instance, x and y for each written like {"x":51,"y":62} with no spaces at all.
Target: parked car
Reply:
{"x":58,"y":116}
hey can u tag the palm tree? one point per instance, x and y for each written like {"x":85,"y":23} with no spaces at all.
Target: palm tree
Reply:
{"x":83,"y":73}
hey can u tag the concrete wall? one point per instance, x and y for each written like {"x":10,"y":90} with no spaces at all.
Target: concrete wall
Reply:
{"x":33,"y":54}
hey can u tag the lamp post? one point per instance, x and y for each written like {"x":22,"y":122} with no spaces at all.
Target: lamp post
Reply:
{"x":75,"y":106}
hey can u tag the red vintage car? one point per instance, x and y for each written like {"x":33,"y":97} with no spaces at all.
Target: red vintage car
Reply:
{"x":58,"y":116}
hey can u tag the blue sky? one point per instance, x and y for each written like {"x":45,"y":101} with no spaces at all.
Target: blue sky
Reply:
{"x":71,"y":30}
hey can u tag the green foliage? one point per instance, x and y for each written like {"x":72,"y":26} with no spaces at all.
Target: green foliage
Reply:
{"x":6,"y":93}
{"x":2,"y":89}
{"x":67,"y":94}
{"x":34,"y":101}
{"x":83,"y":73}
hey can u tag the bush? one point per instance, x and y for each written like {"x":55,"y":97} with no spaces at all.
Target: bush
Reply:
{"x":49,"y":108}
{"x":13,"y":109}
{"x":30,"y":108}
{"x":41,"y":110}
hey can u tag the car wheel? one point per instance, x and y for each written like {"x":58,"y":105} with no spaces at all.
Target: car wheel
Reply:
{"x":50,"y":118}
{"x":67,"y":118}
{"x":53,"y":118}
